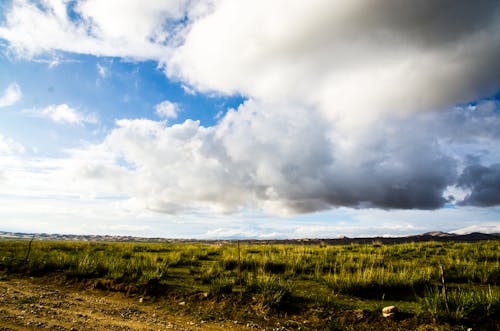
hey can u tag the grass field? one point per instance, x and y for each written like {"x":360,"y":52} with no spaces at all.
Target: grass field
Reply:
{"x":293,"y":286}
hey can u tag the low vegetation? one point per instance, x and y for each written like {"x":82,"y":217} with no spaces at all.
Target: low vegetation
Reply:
{"x":300,"y":286}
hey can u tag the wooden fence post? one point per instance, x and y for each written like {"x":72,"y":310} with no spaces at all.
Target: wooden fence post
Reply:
{"x":239,"y":271}
{"x":26,"y":260}
{"x":445,"y":294}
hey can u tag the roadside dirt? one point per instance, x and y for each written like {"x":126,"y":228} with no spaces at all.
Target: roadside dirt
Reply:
{"x":31,"y":304}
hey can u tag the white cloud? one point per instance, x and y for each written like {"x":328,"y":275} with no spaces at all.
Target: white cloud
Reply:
{"x":53,"y":59}
{"x":9,"y":146}
{"x":11,"y":95}
{"x":63,"y":114}
{"x":137,"y":20}
{"x":484,"y":227}
{"x":351,"y":60}
{"x":136,"y":30}
{"x":101,"y":70}
{"x":54,"y":63}
{"x":321,"y":53}
{"x":277,"y":159}
{"x":284,"y":161}
{"x":167,"y":109}
{"x":359,"y":76}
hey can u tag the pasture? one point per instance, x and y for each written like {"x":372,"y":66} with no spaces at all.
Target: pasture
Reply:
{"x":435,"y":285}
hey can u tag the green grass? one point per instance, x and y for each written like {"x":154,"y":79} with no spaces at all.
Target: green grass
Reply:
{"x":279,"y":280}
{"x":463,"y":303}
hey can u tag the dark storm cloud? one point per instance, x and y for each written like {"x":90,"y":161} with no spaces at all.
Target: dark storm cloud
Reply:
{"x":398,"y":165}
{"x":483,"y":183}
{"x":431,"y":22}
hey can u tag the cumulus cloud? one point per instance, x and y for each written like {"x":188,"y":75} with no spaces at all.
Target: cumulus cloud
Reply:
{"x":352,"y":60}
{"x":361,"y":73}
{"x":277,"y":159}
{"x":11,"y":95}
{"x":286,"y":159}
{"x":167,"y":109}
{"x":9,"y":146}
{"x":63,"y":114}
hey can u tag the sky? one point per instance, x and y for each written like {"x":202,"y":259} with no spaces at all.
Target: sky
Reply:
{"x":249,"y":119}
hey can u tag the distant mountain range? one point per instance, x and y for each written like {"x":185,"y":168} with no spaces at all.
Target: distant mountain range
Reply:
{"x":428,"y":236}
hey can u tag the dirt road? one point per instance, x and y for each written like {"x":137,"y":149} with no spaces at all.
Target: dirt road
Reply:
{"x":30,"y":304}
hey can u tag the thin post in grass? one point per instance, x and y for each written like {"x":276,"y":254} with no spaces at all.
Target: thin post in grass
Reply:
{"x":239,"y":271}
{"x":26,"y":260}
{"x":445,"y":294}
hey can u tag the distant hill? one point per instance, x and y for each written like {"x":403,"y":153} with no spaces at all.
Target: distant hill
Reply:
{"x":428,"y":236}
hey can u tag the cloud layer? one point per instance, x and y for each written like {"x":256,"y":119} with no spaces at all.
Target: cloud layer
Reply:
{"x":353,"y":61}
{"x":283,"y":160}
{"x":360,"y":104}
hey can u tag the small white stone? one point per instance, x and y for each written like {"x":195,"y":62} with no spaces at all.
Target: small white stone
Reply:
{"x":389,"y":311}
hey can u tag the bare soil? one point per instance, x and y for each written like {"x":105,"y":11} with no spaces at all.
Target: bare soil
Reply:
{"x":35,"y":304}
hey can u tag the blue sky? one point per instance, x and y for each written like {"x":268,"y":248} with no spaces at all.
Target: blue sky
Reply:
{"x":86,"y":83}
{"x":263,"y":119}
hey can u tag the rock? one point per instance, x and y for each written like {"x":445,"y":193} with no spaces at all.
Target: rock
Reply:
{"x":389,"y":311}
